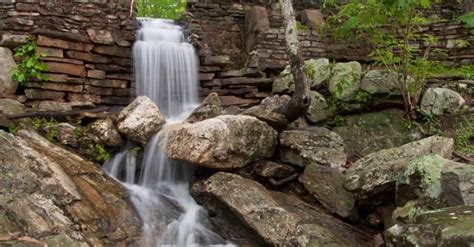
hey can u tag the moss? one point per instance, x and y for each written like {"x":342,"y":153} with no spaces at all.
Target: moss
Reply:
{"x":464,"y":135}
{"x":429,"y":169}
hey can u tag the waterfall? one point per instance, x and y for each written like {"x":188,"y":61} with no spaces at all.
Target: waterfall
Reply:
{"x":166,"y":72}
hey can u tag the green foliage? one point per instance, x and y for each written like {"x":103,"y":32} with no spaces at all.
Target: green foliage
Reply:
{"x":98,"y":152}
{"x":30,"y":65}
{"x":464,"y":138}
{"x":166,"y":9}
{"x":468,"y":19}
{"x":391,"y":28}
{"x":136,"y":149}
{"x":463,"y":71}
{"x":44,"y":126}
{"x":300,"y":26}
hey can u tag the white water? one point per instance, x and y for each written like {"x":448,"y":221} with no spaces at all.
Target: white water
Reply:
{"x":166,"y":70}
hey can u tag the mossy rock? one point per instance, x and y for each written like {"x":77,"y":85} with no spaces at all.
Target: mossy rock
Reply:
{"x":345,"y":80}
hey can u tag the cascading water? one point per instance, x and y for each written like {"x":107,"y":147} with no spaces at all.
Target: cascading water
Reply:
{"x":166,"y":70}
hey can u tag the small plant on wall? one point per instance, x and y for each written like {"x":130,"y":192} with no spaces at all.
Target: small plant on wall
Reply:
{"x":30,"y":65}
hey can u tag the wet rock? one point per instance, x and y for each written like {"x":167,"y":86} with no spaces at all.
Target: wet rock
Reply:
{"x":223,"y":142}
{"x":272,"y":169}
{"x":265,"y":111}
{"x":380,"y":82}
{"x":140,"y":120}
{"x":345,"y":80}
{"x":435,"y":182}
{"x":11,"y":107}
{"x":444,"y":227}
{"x":65,"y":133}
{"x":370,"y":132}
{"x":7,"y":85}
{"x":106,"y":131}
{"x":327,"y":185}
{"x":209,"y":108}
{"x":319,"y":109}
{"x":312,"y":146}
{"x":438,"y":101}
{"x":377,"y":172}
{"x":277,"y":218}
{"x":54,"y":195}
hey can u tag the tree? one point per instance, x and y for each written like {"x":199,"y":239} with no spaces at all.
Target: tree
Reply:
{"x":391,"y":27}
{"x":166,"y":9}
{"x":300,"y":101}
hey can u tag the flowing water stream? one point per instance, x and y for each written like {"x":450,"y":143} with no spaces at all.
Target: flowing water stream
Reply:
{"x":166,"y":71}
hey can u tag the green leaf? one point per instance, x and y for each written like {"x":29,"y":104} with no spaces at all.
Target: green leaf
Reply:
{"x":468,"y":19}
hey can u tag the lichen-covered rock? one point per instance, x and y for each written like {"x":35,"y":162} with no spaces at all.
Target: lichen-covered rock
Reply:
{"x":209,"y":108}
{"x":435,"y":182}
{"x":11,"y":107}
{"x":277,"y":218}
{"x":380,"y":82}
{"x":265,"y":111}
{"x":327,"y":185}
{"x":345,"y":80}
{"x":444,"y":227}
{"x":140,"y":120}
{"x":223,"y":142}
{"x":317,"y":72}
{"x":312,"y":146}
{"x":7,"y":85}
{"x":370,"y":132}
{"x":438,"y":101}
{"x":55,"y":196}
{"x":319,"y":109}
{"x":378,"y":172}
{"x":272,"y":169}
{"x":106,"y":131}
{"x":65,"y":133}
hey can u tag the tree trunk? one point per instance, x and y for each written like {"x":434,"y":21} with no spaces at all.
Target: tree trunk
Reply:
{"x":299,"y":102}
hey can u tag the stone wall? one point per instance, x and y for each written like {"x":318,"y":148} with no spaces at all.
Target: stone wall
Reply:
{"x":241,"y":44}
{"x":88,"y":46}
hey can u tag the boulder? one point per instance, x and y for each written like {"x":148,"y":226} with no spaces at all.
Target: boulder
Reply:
{"x":370,"y":132}
{"x":265,"y":111}
{"x":223,"y":142}
{"x":438,"y":101}
{"x":312,"y":146}
{"x":65,"y":133}
{"x":140,"y":120}
{"x":11,"y":107}
{"x":55,"y":197}
{"x":435,"y":182}
{"x":319,"y":109}
{"x":277,"y":218}
{"x":209,"y":108}
{"x":326,"y":184}
{"x":107,"y":132}
{"x":317,"y":72}
{"x":380,"y":82}
{"x":7,"y":85}
{"x":272,"y":169}
{"x":376,"y":173}
{"x":345,"y":80}
{"x":443,"y":227}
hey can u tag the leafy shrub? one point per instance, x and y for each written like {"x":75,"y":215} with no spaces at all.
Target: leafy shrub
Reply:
{"x":30,"y":65}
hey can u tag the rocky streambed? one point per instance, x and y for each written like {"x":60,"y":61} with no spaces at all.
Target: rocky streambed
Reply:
{"x":369,"y":182}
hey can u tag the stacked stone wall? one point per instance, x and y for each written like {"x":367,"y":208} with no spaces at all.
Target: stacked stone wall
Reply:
{"x":88,"y":46}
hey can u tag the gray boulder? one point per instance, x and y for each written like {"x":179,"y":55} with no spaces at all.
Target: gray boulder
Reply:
{"x":265,"y":111}
{"x":11,"y":107}
{"x":277,"y":218}
{"x":370,"y":132}
{"x":345,"y":80}
{"x":377,"y":172}
{"x":319,"y":109}
{"x":326,"y":184}
{"x":435,"y":182}
{"x":55,"y":197}
{"x":272,"y":169}
{"x":223,"y":142}
{"x":312,"y":146}
{"x":65,"y":133}
{"x":380,"y":82}
{"x":209,"y":108}
{"x":140,"y":120}
{"x":7,"y":85}
{"x":439,"y":101}
{"x":443,"y":227}
{"x":106,"y":131}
